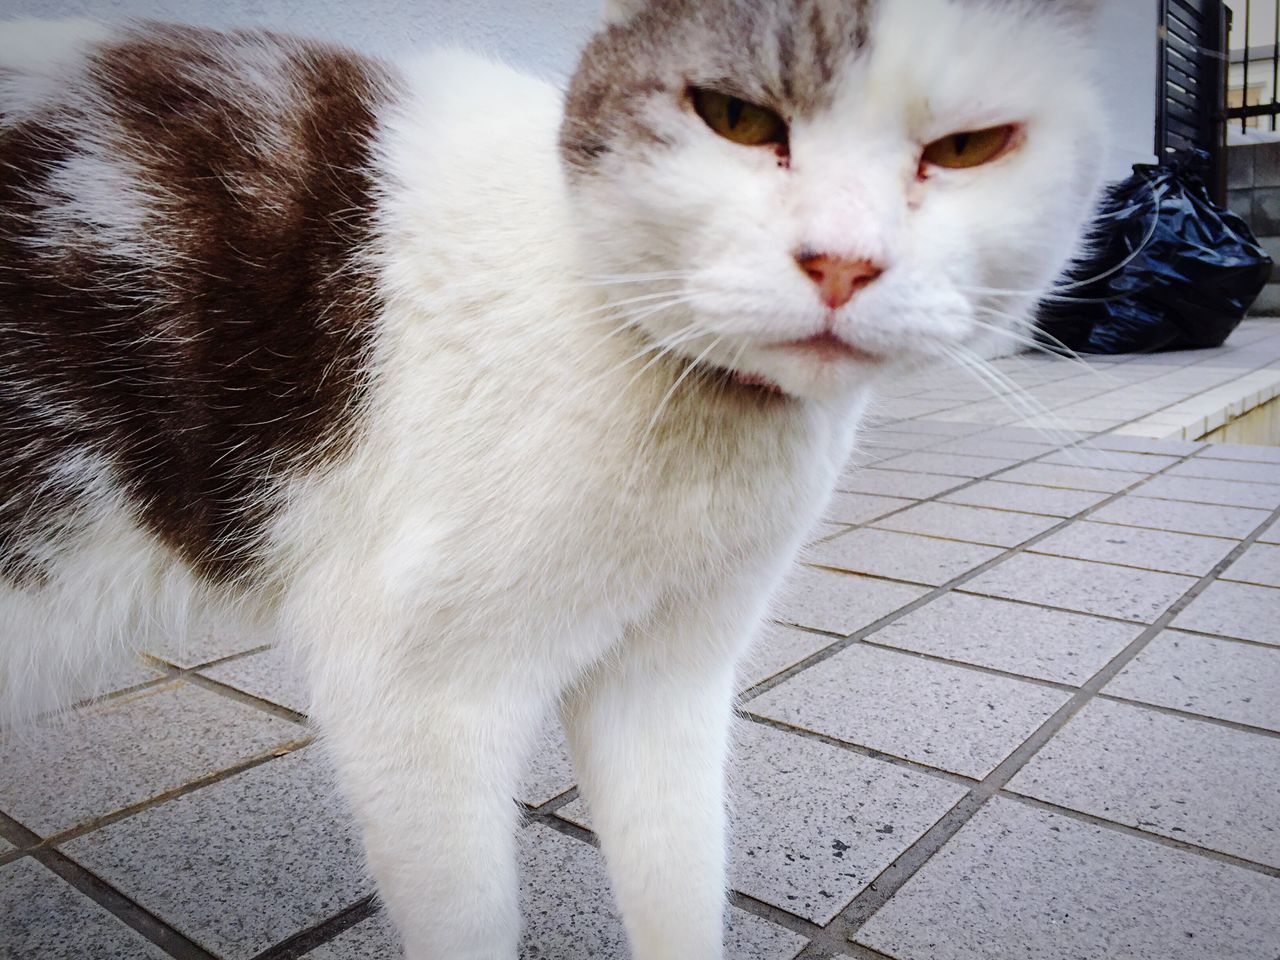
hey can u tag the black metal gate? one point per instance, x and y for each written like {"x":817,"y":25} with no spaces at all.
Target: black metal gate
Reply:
{"x":1192,"y":88}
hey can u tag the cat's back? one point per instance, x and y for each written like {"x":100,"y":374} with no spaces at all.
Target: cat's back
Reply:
{"x":187,"y":304}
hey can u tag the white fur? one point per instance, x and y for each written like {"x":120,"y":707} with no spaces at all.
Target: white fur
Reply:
{"x":722,"y":223}
{"x":534,"y":520}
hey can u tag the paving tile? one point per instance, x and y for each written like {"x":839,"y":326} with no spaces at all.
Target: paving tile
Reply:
{"x":814,"y":825}
{"x":1017,"y":883}
{"x":1271,"y":534}
{"x":272,"y":675}
{"x":938,"y":714}
{"x":371,"y":939}
{"x":240,"y":865}
{"x":74,"y":768}
{"x":6,"y":846}
{"x":1101,"y":459}
{"x":1230,"y":493}
{"x":861,"y":507}
{"x":1014,"y":637}
{"x":1096,"y":588}
{"x":1205,"y":675}
{"x":1019,"y":497}
{"x":875,"y":456}
{"x":875,"y":439}
{"x":823,"y":531}
{"x":1136,"y":547}
{"x":1235,"y":610}
{"x":1260,"y":564}
{"x":838,"y":602}
{"x":1242,"y":451}
{"x":113,"y":677}
{"x":901,"y":556}
{"x":939,"y":428}
{"x":1072,"y":478}
{"x":983,"y":445}
{"x":950,"y":464}
{"x":44,"y":918}
{"x":1000,"y":528}
{"x":568,"y":911}
{"x":1178,"y":777}
{"x":550,"y":770}
{"x":1237,"y":470}
{"x":1207,"y":520}
{"x":1171,"y":448}
{"x":776,"y":649}
{"x":906,"y":409}
{"x":897,"y":483}
{"x":1053,"y":438}
{"x":196,"y":649}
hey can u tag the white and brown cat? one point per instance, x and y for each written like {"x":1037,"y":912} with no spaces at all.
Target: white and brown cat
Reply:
{"x":494,"y":399}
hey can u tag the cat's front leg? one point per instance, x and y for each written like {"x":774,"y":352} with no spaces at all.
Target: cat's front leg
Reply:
{"x":649,"y":733}
{"x":430,"y":763}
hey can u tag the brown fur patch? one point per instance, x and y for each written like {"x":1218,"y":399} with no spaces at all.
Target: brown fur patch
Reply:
{"x":781,"y":54}
{"x":209,"y":372}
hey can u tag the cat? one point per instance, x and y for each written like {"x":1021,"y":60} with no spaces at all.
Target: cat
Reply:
{"x":494,"y":399}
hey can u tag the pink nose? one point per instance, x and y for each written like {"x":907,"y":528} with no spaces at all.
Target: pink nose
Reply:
{"x":838,"y":278}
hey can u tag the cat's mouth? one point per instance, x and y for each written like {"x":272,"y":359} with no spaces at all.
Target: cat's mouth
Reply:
{"x":826,"y":347}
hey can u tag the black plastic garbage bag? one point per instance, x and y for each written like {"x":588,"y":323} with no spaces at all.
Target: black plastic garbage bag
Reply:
{"x":1171,"y":270}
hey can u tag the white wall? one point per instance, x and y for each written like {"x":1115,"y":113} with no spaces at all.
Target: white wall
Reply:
{"x":1262,"y":24}
{"x":1127,"y":37}
{"x":545,"y":35}
{"x":541,"y":35}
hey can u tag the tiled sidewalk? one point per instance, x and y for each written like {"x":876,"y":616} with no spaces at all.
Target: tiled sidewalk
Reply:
{"x":1022,"y":703}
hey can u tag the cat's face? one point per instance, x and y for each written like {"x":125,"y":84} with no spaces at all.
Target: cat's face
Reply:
{"x":776,"y":187}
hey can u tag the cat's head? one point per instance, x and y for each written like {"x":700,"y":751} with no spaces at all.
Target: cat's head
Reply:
{"x":816,"y":192}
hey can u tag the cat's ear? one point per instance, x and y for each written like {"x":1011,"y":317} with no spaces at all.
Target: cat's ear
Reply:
{"x":619,"y":12}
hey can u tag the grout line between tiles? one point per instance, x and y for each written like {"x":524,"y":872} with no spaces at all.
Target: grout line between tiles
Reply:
{"x":124,"y":909}
{"x":562,"y":799}
{"x":566,"y":827}
{"x":160,"y":661}
{"x":862,"y":750}
{"x":1191,"y":715}
{"x":1140,"y":834}
{"x":865,"y":905}
{"x":956,"y":583}
{"x":307,"y":940}
{"x":775,"y":915}
{"x":191,"y":786}
{"x":975,"y":667}
{"x":1219,"y":636}
{"x":248,"y":699}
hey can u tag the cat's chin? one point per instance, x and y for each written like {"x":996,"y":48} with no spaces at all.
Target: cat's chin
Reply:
{"x":823,"y":367}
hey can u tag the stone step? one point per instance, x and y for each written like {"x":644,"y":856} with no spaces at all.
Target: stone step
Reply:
{"x":1268,"y":302}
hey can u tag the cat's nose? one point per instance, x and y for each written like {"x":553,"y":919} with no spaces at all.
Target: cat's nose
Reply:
{"x":838,"y":278}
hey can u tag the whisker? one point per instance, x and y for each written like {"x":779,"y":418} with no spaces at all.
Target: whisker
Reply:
{"x":1156,"y":197}
{"x":1062,"y":351}
{"x":1009,"y":393}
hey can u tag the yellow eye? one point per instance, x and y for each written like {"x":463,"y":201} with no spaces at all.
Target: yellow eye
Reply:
{"x":973,"y":148}
{"x":739,"y":121}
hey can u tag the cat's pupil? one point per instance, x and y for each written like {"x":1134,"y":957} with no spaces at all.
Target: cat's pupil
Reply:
{"x":961,"y":143}
{"x":735,"y":109}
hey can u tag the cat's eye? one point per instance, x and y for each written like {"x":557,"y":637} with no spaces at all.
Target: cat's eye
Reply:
{"x":973,"y":148}
{"x":737,"y":120}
